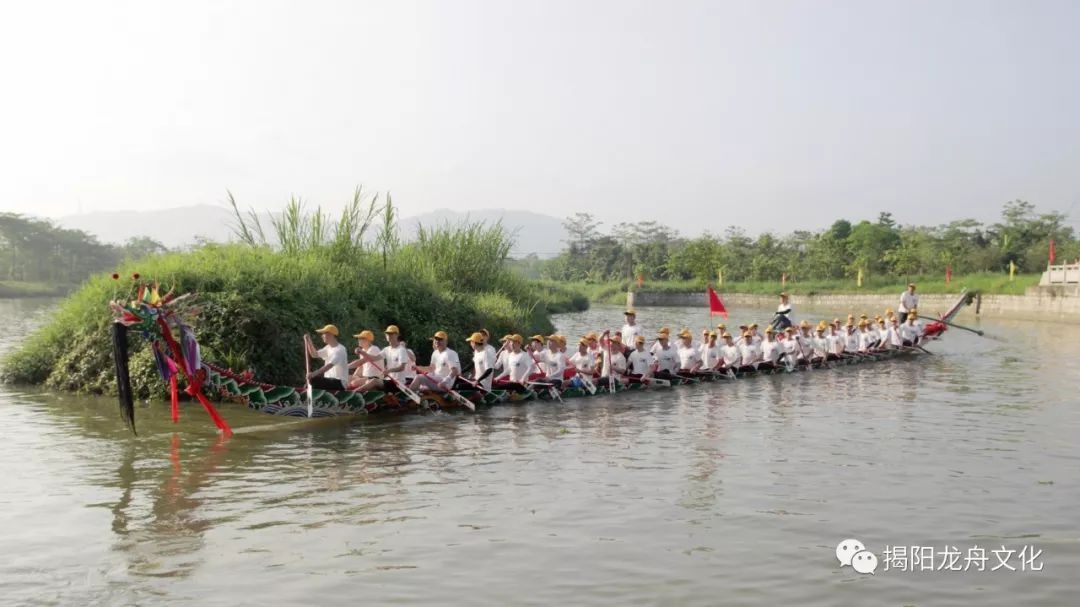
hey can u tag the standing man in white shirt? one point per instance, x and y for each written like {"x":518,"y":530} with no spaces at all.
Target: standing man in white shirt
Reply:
{"x":631,"y":329}
{"x":335,"y":371}
{"x":908,"y":302}
{"x":783,"y":318}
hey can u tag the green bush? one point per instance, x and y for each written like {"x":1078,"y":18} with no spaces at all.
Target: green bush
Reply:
{"x":256,"y":303}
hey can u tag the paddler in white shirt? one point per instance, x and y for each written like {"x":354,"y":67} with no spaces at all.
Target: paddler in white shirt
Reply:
{"x":334,"y":374}
{"x":640,"y":363}
{"x":770,"y":349}
{"x":792,"y":351}
{"x":749,"y":352}
{"x":864,"y":337}
{"x":911,"y":330}
{"x":820,"y":344}
{"x":483,"y":358}
{"x":756,"y":335}
{"x":835,"y":343}
{"x":445,"y":366}
{"x":519,"y":366}
{"x":895,"y":340}
{"x":631,"y":329}
{"x":616,"y":361}
{"x":851,"y":338}
{"x":365,"y":376}
{"x":689,"y":356}
{"x":711,"y":357}
{"x":730,"y":353}
{"x":583,"y":360}
{"x":554,"y":361}
{"x":667,"y":359}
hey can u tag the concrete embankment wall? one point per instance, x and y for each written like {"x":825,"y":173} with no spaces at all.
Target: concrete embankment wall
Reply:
{"x":1035,"y":305}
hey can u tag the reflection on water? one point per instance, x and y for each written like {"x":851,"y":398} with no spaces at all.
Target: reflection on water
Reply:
{"x":721,"y":493}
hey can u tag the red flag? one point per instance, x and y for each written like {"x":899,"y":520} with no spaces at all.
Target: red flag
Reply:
{"x":715,"y":305}
{"x":1052,"y":255}
{"x":948,"y":274}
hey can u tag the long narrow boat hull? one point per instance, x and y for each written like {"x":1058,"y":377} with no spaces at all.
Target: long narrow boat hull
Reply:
{"x":292,"y":402}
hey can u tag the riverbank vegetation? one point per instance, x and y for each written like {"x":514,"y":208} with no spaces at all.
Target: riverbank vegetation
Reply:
{"x":882,"y":253}
{"x":257,"y":299}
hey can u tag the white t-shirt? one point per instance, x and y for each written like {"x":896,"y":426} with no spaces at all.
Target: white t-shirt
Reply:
{"x":640,"y":361}
{"x":443,"y":362}
{"x":368,"y":369}
{"x":866,"y":339}
{"x":339,"y":357}
{"x":689,"y":357}
{"x":851,"y":342}
{"x":584,"y":363}
{"x":748,"y":352}
{"x":410,"y":366}
{"x":482,"y":361}
{"x":710,"y":355}
{"x":519,"y":365}
{"x":792,"y":349}
{"x":731,"y":354}
{"x":667,"y":359}
{"x":911,"y":332}
{"x":395,"y":357}
{"x":629,"y":333}
{"x":770,"y":351}
{"x":618,"y":360}
{"x":908,"y":301}
{"x":821,"y":346}
{"x":554,"y":364}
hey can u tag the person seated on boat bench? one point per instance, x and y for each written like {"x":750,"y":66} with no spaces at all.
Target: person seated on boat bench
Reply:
{"x":689,"y":356}
{"x":583,"y":362}
{"x":749,"y":352}
{"x":365,"y":376}
{"x":618,"y":359}
{"x":667,"y":359}
{"x":335,"y":370}
{"x":909,"y":301}
{"x":445,"y":366}
{"x":732,"y":357}
{"x":639,"y":364}
{"x":790,"y":345}
{"x":483,"y":359}
{"x":851,"y":338}
{"x":770,"y":350}
{"x":519,"y":366}
{"x":911,"y":331}
{"x":832,"y":338}
{"x":711,"y":358}
{"x":819,"y":344}
{"x":553,"y":361}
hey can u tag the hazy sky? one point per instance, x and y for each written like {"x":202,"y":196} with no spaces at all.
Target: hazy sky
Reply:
{"x":698,"y":114}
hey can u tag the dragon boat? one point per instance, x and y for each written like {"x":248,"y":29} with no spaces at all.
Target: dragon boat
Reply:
{"x":158,"y":317}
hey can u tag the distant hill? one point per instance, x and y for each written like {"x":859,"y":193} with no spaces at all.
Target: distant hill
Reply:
{"x":177,"y":227}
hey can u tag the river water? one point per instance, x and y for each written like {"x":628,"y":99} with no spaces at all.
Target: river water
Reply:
{"x":732,"y":493}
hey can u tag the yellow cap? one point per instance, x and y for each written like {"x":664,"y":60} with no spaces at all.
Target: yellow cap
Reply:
{"x":392,"y":329}
{"x":516,"y":338}
{"x":805,"y":324}
{"x":640,"y":339}
{"x":365,"y":334}
{"x":712,"y":333}
{"x":721,"y":326}
{"x":789,"y":330}
{"x":630,"y":312}
{"x":439,"y":335}
{"x":913,"y":312}
{"x":617,"y":338}
{"x":911,"y":284}
{"x":664,"y":331}
{"x":592,"y":335}
{"x":747,"y":335}
{"x":583,"y":342}
{"x":726,"y":335}
{"x":686,"y":334}
{"x":476,"y":338}
{"x":562,"y":339}
{"x":539,"y":338}
{"x":331,"y":329}
{"x":753,"y":326}
{"x":769,"y":330}
{"x":783,"y":294}
{"x":864,"y":322}
{"x":554,"y":338}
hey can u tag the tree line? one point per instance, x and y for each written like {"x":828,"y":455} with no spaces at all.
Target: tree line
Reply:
{"x":843,"y":250}
{"x":37,"y":250}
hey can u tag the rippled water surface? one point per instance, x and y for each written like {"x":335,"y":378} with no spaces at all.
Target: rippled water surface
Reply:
{"x":732,"y":493}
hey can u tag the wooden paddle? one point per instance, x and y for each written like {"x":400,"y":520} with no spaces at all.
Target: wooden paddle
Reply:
{"x":307,"y":378}
{"x":413,"y":396}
